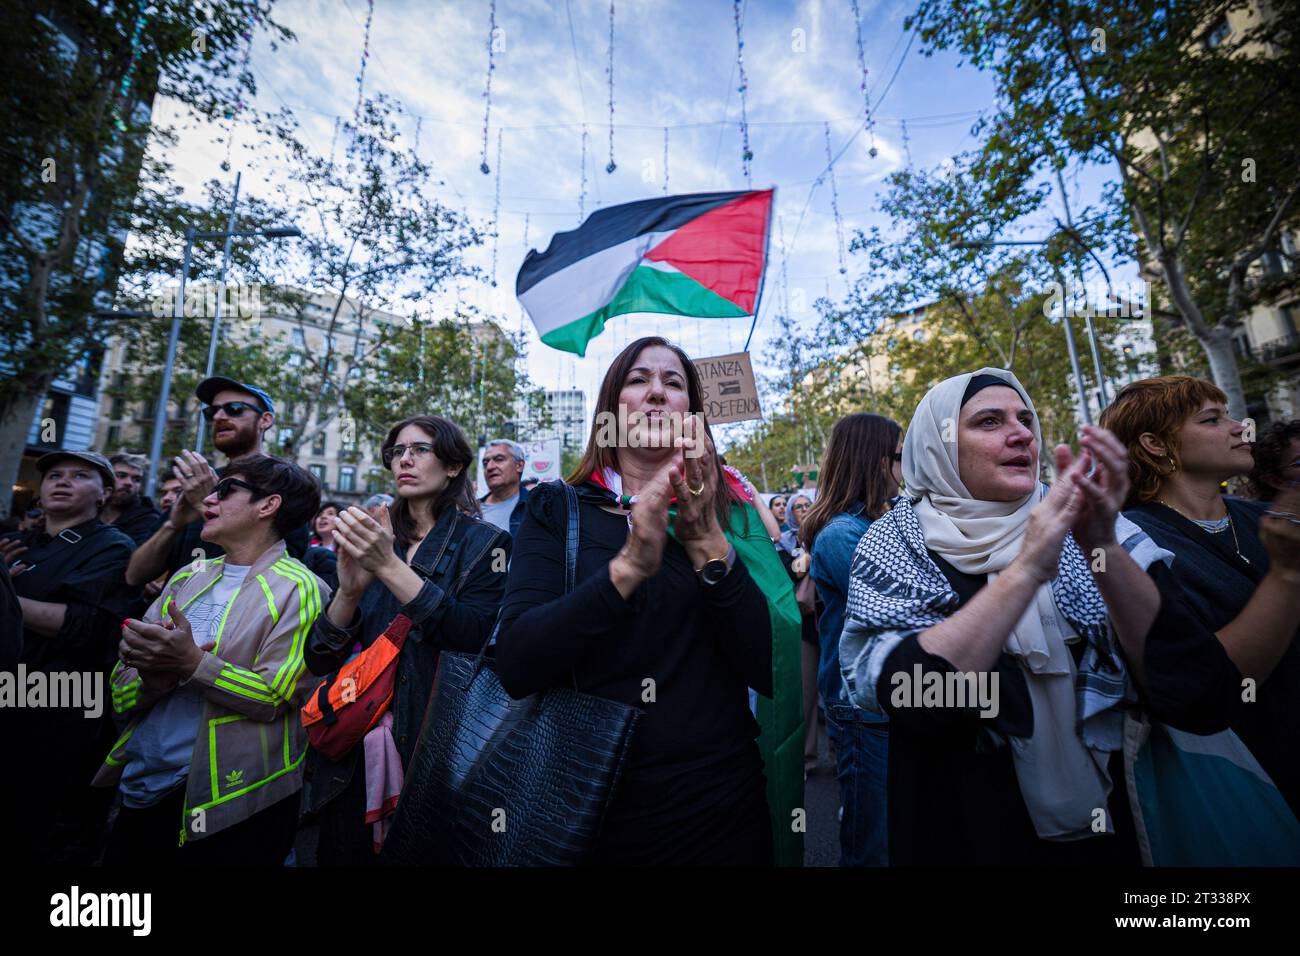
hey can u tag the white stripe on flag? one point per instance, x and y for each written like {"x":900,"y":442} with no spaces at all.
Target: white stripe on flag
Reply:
{"x":587,"y":285}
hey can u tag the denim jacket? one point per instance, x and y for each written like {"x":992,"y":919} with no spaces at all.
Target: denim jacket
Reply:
{"x":457,"y":546}
{"x":832,"y":556}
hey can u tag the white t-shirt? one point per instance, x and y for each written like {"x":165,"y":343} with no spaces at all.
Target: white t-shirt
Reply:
{"x":499,"y":513}
{"x":159,"y":752}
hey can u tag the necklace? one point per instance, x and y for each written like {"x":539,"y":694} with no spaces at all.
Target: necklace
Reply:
{"x":1236,"y":545}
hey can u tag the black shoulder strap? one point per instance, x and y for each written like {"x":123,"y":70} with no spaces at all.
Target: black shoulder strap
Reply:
{"x":60,"y":546}
{"x":570,"y":566}
{"x":570,"y":538}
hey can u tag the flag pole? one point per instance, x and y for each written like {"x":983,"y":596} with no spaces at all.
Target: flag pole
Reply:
{"x":762,"y":281}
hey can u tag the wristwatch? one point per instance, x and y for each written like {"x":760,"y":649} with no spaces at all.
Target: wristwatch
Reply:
{"x":715,"y":569}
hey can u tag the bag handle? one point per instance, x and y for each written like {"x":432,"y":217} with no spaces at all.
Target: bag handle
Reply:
{"x":570,"y":569}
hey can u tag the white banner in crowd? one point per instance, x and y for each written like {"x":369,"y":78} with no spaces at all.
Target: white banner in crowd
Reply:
{"x":543,"y":462}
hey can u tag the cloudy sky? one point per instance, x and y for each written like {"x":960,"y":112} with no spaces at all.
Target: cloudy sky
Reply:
{"x":675,"y":67}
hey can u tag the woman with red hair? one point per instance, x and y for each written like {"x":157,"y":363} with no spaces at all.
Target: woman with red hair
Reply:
{"x":1223,"y":654}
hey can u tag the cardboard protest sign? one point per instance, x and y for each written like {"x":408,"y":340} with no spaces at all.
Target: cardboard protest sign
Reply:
{"x":730,"y":391}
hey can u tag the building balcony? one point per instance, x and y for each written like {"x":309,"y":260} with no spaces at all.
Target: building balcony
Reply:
{"x":1278,"y":352}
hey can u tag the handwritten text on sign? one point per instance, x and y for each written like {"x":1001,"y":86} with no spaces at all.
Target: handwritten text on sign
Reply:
{"x":730,"y":392}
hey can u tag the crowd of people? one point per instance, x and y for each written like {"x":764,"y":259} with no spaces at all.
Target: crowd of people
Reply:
{"x":1101,"y":669}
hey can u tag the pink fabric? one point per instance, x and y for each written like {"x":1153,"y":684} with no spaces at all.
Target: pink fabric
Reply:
{"x":383,"y":777}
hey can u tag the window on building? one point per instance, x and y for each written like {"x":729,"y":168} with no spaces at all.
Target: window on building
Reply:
{"x":1218,"y":33}
{"x":117,"y":410}
{"x":318,"y":444}
{"x":284,"y":438}
{"x":54,"y":412}
{"x":319,"y":472}
{"x":299,"y":345}
{"x":114,"y":436}
{"x":347,"y":478}
{"x":85,"y":372}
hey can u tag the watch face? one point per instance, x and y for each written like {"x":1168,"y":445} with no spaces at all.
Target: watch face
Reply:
{"x":714,"y":571}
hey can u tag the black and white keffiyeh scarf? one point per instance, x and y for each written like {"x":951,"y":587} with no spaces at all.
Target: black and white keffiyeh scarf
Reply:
{"x":896,"y":590}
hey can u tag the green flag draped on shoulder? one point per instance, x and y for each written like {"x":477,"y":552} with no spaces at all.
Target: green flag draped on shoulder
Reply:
{"x":781,"y":717}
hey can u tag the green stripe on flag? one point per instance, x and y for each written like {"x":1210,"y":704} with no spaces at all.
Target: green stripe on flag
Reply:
{"x":646,"y":290}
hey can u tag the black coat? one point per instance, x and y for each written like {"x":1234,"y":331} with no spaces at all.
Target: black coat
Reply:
{"x":474,"y":550}
{"x":139,"y":521}
{"x":83,"y":568}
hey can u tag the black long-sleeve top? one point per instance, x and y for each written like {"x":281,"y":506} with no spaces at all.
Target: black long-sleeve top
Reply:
{"x":953,"y":797}
{"x":683,"y":652}
{"x":87,"y":574}
{"x":476,"y":551}
{"x":1190,"y":681}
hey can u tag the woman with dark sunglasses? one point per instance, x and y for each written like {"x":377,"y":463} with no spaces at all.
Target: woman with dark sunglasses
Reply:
{"x":210,"y":674}
{"x":431,"y":558}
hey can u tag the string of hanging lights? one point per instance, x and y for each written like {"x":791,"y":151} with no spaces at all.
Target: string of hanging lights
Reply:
{"x":365,"y":58}
{"x":746,"y":154}
{"x":866,"y":97}
{"x":609,"y":70}
{"x":487,"y":89}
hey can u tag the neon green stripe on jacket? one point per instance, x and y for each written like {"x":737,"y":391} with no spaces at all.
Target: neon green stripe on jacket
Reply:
{"x":309,"y":608}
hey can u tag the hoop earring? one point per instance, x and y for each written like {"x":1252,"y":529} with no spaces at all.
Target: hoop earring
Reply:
{"x":1173,"y":467}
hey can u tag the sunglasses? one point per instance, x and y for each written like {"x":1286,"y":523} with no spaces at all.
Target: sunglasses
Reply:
{"x":233,"y":409}
{"x":897,"y":456}
{"x":226,"y":485}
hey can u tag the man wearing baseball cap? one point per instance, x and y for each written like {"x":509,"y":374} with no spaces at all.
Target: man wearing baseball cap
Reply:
{"x":240,"y":415}
{"x":69,"y":583}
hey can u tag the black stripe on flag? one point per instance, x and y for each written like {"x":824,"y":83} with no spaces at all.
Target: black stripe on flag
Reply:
{"x":615,"y":224}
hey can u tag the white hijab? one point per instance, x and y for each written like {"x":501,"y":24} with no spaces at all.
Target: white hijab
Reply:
{"x":977,"y":537}
{"x":1062,"y":781}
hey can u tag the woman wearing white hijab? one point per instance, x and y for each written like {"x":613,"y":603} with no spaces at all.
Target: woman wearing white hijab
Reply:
{"x":982,"y":617}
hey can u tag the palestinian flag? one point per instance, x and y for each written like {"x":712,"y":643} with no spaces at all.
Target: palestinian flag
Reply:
{"x":700,"y":255}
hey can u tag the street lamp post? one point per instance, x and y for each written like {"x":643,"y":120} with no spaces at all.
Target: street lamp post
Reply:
{"x":164,"y":396}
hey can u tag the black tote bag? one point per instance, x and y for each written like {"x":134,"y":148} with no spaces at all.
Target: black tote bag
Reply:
{"x":501,"y":782}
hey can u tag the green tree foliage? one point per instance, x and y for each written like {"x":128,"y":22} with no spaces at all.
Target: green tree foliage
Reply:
{"x":74,"y":127}
{"x":462,"y":371}
{"x":1188,"y":108}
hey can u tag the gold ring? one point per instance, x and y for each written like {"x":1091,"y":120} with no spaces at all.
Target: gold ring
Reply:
{"x":696,"y":491}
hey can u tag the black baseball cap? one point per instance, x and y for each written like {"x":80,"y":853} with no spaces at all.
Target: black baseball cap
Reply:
{"x":45,"y":462}
{"x":209,"y":387}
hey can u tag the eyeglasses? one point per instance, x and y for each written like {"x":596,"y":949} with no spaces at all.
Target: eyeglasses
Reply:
{"x":233,"y":409}
{"x":897,"y":456}
{"x":420,"y":450}
{"x":226,"y":485}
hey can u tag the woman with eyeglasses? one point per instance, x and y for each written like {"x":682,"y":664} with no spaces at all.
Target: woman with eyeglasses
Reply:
{"x":1229,"y":655}
{"x":430,"y":557}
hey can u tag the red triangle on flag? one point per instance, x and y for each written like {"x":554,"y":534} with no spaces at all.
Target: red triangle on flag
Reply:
{"x":724,"y":249}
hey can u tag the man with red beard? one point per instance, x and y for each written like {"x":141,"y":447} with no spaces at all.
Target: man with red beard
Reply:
{"x":240,"y":415}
